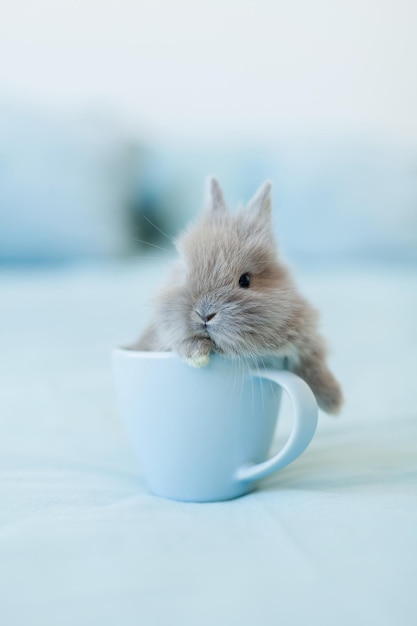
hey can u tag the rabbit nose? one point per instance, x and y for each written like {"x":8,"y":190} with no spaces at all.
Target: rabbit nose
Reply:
{"x":205,"y":317}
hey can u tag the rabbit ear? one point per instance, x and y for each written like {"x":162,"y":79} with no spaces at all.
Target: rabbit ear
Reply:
{"x":260,"y":204}
{"x":215,"y":198}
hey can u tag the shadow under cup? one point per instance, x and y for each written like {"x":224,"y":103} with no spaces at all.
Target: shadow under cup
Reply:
{"x":203,"y":435}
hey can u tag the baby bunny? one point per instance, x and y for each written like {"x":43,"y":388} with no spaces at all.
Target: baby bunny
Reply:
{"x":230,"y":293}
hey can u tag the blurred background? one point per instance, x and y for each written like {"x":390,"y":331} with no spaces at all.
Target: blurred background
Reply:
{"x":113,"y":114}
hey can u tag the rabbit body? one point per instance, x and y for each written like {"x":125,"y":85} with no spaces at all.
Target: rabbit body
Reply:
{"x":230,"y":293}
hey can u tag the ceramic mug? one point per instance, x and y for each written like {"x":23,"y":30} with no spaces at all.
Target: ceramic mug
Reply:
{"x":203,"y":435}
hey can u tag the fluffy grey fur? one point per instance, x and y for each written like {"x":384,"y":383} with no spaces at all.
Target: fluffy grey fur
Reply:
{"x":203,"y":308}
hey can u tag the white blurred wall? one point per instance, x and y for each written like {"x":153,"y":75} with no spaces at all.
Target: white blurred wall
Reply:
{"x":221,"y":68}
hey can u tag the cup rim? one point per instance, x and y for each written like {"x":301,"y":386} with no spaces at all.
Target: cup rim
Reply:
{"x":147,"y":354}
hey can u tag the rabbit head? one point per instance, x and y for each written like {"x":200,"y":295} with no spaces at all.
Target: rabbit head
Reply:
{"x":232,"y":287}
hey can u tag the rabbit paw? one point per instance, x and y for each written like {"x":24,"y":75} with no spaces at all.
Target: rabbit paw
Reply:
{"x":196,"y":352}
{"x":200,"y":360}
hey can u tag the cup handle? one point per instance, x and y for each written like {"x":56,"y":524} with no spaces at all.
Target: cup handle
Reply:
{"x":305,"y":415}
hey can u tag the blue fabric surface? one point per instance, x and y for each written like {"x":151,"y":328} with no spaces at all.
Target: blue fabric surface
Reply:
{"x":329,"y":540}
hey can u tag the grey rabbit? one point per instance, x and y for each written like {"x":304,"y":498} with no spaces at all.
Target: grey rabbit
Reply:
{"x":230,"y":293}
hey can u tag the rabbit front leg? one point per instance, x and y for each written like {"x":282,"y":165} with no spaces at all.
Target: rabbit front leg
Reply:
{"x":195,"y":351}
{"x":311,"y":366}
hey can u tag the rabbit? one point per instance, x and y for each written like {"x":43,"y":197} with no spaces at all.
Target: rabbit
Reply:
{"x":230,"y":293}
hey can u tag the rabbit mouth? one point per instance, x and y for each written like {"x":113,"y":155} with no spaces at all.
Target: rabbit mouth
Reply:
{"x":203,"y":332}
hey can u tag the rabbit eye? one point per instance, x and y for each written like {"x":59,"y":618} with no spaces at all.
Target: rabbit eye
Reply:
{"x":244,"y":281}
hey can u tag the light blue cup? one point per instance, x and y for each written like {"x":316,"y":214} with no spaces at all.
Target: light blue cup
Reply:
{"x":203,"y":435}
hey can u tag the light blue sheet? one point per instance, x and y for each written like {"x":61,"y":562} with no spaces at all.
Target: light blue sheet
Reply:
{"x":330,"y":540}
